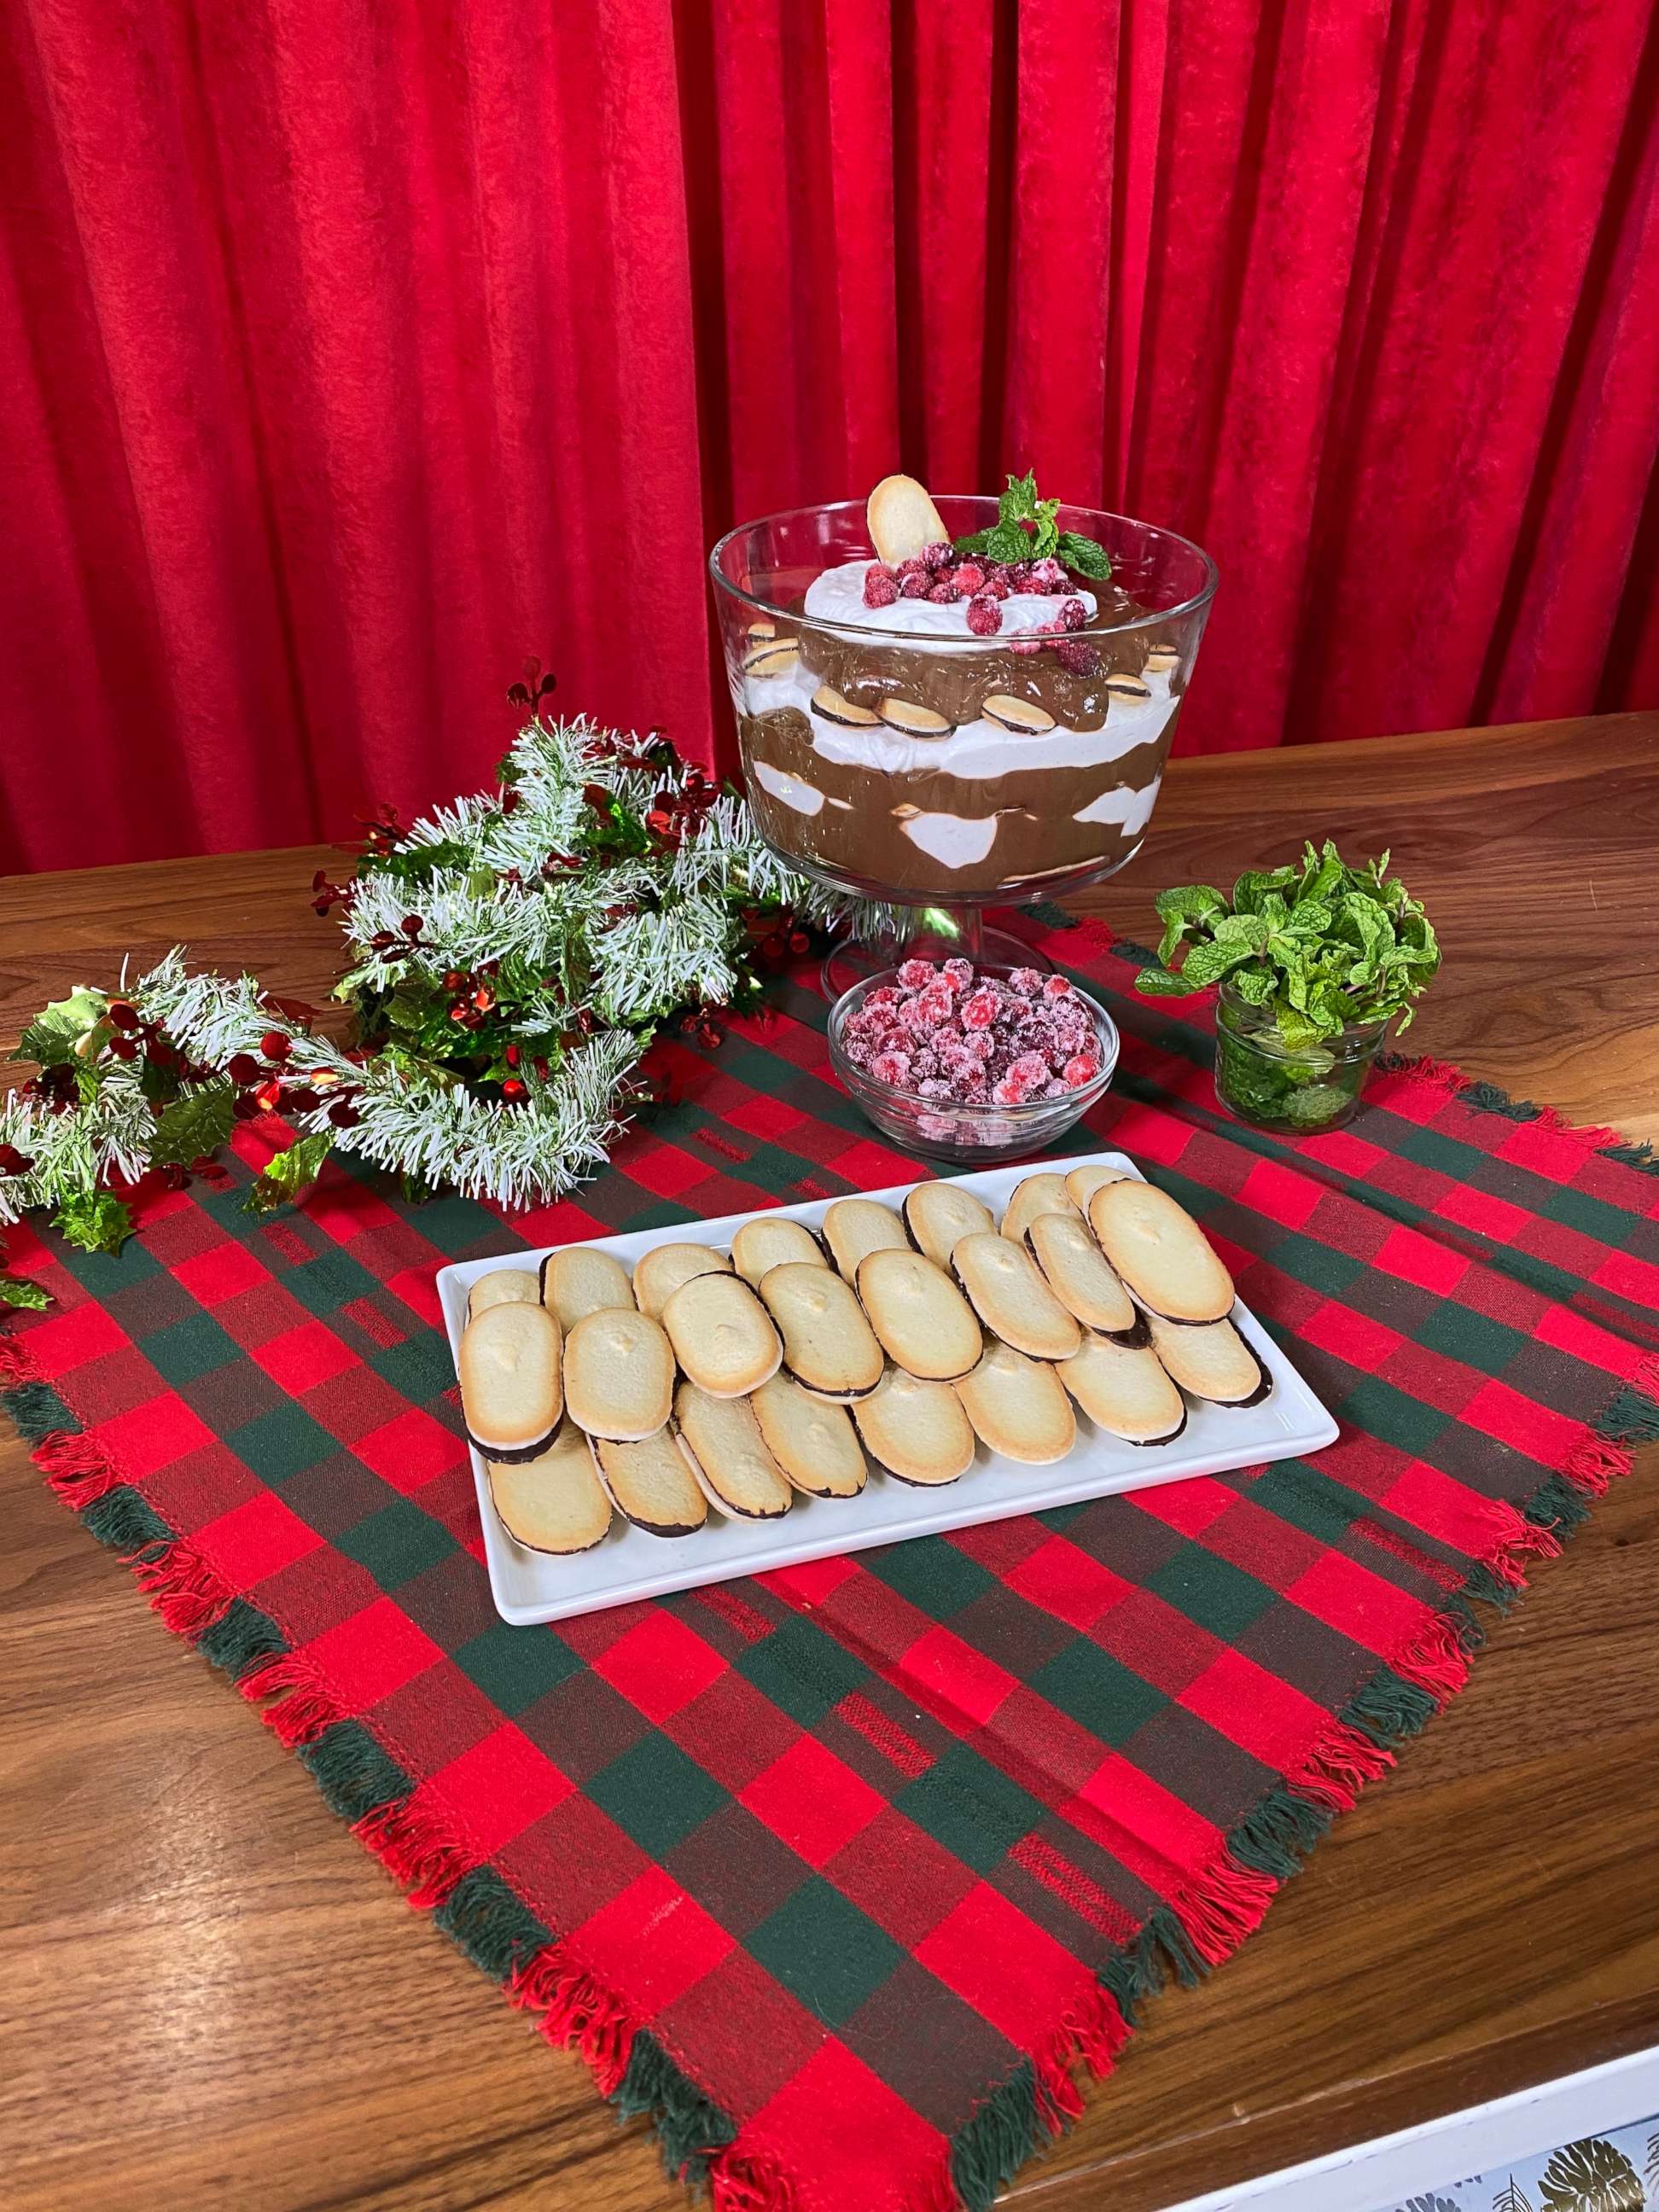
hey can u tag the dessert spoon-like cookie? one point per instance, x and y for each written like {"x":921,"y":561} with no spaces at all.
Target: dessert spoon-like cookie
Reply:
{"x":937,"y":1214}
{"x":618,"y":1374}
{"x":1211,"y":1361}
{"x":729,"y":1456}
{"x":767,"y":1241}
{"x":1124,"y":1389}
{"x":554,"y":1502}
{"x":1163,"y":1257}
{"x":924,"y":1324}
{"x":853,"y":1226}
{"x":653,"y":1483}
{"x":1082,"y":1183}
{"x":916,"y":1430}
{"x":503,"y":1286}
{"x":659,"y":1272}
{"x":508,"y":1367}
{"x":1008,"y":1292}
{"x":828,"y":1343}
{"x":1081,"y":1276}
{"x":577,"y":1281}
{"x":722,"y":1335}
{"x":903,"y":521}
{"x":813,"y":1442}
{"x":1044,"y":1192}
{"x":1017,"y":1407}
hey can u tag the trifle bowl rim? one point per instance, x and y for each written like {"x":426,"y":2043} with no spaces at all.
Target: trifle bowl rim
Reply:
{"x":1195,"y":603}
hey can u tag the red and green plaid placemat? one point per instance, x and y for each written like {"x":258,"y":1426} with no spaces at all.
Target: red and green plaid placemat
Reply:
{"x":839,"y":1874}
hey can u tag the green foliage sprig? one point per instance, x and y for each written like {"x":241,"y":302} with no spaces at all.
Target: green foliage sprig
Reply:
{"x":1314,"y":948}
{"x":1026,"y":529}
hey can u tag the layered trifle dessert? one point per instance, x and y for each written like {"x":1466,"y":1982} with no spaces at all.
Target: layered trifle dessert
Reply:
{"x":958,"y":716}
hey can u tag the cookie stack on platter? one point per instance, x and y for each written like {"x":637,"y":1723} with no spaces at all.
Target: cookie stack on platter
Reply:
{"x":734,"y":1383}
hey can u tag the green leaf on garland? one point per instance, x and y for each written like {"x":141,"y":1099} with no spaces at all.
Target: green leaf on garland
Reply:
{"x":286,"y":1174}
{"x":95,"y":1220}
{"x":51,"y":1039}
{"x":15,"y":1291}
{"x":194,"y":1126}
{"x":160,"y":1084}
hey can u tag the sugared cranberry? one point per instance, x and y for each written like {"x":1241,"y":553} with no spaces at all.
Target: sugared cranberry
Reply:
{"x":1018,"y":573}
{"x":881,"y":585}
{"x":891,"y":1067}
{"x":1028,"y":981}
{"x":984,"y":614}
{"x":1077,"y":657}
{"x":940,"y":554}
{"x":915,"y":975}
{"x":946,"y":594}
{"x":971,"y":576}
{"x":1081,"y":1069}
{"x":915,"y":578}
{"x":1026,"y":643}
{"x":958,"y":973}
{"x":1049,"y":576}
{"x":979,"y":1009}
{"x":996,"y":587}
{"x":1057,"y":987}
{"x":1072,"y":614}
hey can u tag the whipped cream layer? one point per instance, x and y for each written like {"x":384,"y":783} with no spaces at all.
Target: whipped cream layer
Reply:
{"x":977,"y":750}
{"x":837,"y":597}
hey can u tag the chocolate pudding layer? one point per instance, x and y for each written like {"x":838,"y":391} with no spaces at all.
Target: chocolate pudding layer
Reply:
{"x":936,"y":764}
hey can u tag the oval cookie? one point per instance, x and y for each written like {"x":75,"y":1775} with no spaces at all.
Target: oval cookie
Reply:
{"x":1082,"y":1183}
{"x":827,"y":1342}
{"x":916,"y":1430}
{"x":766,"y":1243}
{"x":651,"y":1481}
{"x":926,"y":1325}
{"x":659,"y":1272}
{"x":729,"y":1455}
{"x":1044,"y":1192}
{"x":618,"y":1375}
{"x":937,"y":1214}
{"x":1211,"y":1361}
{"x":1123,"y":1388}
{"x":853,"y":1226}
{"x":1017,"y":1407}
{"x":1081,"y":1276}
{"x":554,"y":1502}
{"x":902,"y":519}
{"x":511,"y":1394}
{"x":577,"y":1281}
{"x":503,"y":1286}
{"x":1008,"y":1292}
{"x":813,"y":1442}
{"x":721,"y":1335}
{"x":1162,"y":1255}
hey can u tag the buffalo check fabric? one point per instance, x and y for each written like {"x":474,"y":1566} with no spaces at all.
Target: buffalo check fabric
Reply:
{"x":846,"y":1873}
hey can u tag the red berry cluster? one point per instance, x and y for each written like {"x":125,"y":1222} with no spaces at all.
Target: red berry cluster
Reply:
{"x":262,"y":1085}
{"x":973,"y":1039}
{"x":941,"y":575}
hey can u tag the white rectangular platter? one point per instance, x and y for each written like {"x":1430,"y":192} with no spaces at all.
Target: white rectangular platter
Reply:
{"x":530,"y":1587}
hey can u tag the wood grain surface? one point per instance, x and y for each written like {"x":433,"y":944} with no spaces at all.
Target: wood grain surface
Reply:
{"x":213,"y":1997}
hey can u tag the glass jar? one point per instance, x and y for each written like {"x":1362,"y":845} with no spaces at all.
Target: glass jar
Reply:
{"x":1294,"y":1092}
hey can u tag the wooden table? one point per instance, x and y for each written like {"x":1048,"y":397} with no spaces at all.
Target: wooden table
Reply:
{"x":213,"y":1997}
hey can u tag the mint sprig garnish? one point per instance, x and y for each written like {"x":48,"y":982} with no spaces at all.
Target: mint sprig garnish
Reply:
{"x":1026,"y":529}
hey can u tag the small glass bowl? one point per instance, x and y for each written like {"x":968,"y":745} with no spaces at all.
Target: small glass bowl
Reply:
{"x":946,"y":1129}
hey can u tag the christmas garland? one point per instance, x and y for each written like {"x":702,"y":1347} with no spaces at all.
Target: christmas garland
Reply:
{"x":510,"y":958}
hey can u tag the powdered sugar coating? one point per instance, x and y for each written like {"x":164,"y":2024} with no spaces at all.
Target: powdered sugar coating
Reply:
{"x":949,"y":1032}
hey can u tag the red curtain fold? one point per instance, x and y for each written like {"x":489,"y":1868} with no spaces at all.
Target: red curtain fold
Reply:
{"x":354,"y":354}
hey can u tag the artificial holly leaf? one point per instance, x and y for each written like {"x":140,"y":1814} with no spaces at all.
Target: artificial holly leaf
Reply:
{"x":16,"y":1291}
{"x":94,"y":1221}
{"x":52,"y":1038}
{"x":194,"y":1126}
{"x":1082,"y":556}
{"x":286,"y":1174}
{"x":159,"y":1085}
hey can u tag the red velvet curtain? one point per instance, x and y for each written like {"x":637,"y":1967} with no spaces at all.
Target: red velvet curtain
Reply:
{"x":355,"y":349}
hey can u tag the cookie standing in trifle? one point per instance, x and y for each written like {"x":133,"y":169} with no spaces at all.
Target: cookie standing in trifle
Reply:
{"x":961,"y":701}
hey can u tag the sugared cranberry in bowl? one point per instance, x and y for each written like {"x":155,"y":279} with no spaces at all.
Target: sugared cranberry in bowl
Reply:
{"x":969,"y":1063}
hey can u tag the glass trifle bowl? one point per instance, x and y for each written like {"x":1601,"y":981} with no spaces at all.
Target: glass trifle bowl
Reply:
{"x":947,"y":749}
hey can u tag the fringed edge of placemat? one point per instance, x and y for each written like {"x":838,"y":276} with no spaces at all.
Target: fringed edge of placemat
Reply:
{"x":1184,"y":1940}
